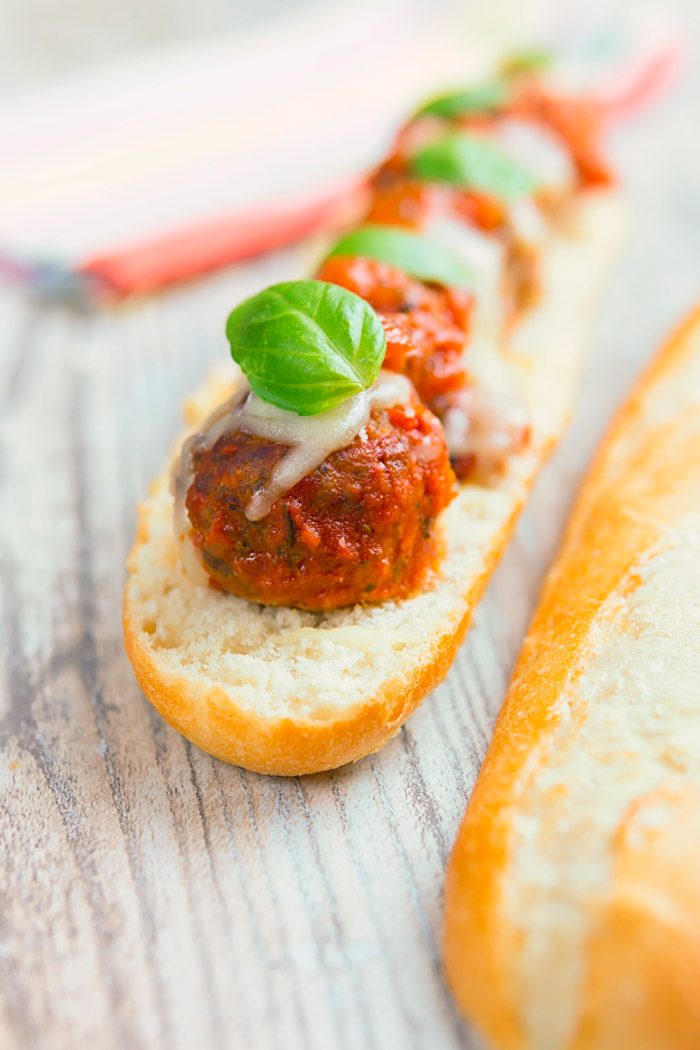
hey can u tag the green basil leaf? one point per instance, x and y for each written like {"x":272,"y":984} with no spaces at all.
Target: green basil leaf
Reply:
{"x":469,"y":160}
{"x":306,"y":346}
{"x":527,"y":60}
{"x":416,"y":254}
{"x":488,"y":97}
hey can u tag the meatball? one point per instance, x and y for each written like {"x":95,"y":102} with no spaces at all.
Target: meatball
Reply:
{"x":359,"y":528}
{"x":405,"y":201}
{"x":426,"y":327}
{"x":424,"y":332}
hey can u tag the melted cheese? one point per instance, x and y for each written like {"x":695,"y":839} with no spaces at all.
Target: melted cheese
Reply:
{"x":191,"y":559}
{"x":538,"y":151}
{"x":311,"y":439}
{"x":527,"y":223}
{"x":484,"y":256}
{"x":485,"y":423}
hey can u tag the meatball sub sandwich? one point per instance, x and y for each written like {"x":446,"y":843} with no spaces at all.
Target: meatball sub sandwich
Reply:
{"x":305,"y":571}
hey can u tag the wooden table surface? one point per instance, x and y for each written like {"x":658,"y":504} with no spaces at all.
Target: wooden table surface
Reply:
{"x":152,"y":896}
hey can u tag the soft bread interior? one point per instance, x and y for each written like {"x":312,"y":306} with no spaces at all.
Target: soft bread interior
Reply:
{"x":628,"y":717}
{"x":572,"y":903}
{"x":305,"y":668}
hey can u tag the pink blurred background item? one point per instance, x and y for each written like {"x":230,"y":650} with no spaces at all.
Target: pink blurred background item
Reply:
{"x":150,"y":171}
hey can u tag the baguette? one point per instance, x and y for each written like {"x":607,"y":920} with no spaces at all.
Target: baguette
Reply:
{"x":284,"y":691}
{"x":573,"y":892}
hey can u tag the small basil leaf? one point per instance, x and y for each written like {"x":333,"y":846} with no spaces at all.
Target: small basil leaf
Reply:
{"x":468,"y":160}
{"x":306,"y":346}
{"x":416,"y":254}
{"x":527,"y":60}
{"x":488,"y":97}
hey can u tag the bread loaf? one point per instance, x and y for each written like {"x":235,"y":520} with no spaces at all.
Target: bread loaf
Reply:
{"x":573,"y":893}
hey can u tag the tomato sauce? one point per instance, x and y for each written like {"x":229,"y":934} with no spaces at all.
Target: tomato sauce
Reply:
{"x":426,"y":326}
{"x":356,"y":529}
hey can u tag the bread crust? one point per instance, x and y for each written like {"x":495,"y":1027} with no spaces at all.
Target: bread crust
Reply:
{"x":631,"y":938}
{"x":299,"y":738}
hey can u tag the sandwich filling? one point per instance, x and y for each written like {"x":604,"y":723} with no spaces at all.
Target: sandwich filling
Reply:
{"x":320,"y":482}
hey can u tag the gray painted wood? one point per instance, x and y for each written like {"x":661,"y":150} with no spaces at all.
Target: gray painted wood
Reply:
{"x":153,"y":897}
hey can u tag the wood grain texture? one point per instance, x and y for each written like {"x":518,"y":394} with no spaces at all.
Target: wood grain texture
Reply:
{"x":153,"y":897}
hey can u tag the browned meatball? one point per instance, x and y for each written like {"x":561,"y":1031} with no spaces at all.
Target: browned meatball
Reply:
{"x":426,"y":327}
{"x":358,"y":528}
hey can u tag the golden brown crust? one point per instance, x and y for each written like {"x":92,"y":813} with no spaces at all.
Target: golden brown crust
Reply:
{"x":645,"y":478}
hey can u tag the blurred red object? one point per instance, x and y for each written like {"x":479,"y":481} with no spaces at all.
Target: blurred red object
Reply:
{"x":130,"y":177}
{"x":640,"y":82}
{"x":210,"y":245}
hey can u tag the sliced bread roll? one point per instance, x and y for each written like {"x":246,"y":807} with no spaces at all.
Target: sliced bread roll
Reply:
{"x":285,"y":691}
{"x":573,"y":893}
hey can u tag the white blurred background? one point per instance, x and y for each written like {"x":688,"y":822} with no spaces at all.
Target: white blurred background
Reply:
{"x":43,"y":38}
{"x":267,"y":99}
